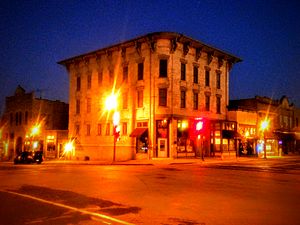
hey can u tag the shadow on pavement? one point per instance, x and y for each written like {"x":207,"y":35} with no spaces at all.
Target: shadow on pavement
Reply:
{"x":78,"y":200}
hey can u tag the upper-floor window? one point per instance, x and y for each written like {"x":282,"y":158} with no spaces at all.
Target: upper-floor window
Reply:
{"x":89,"y":81}
{"x":140,"y":71}
{"x":207,"y":78}
{"x":107,"y":130}
{"x":99,"y":129}
{"x":195,"y":74}
{"x":218,"y":104}
{"x":78,"y":83}
{"x":17,"y":119}
{"x":183,"y":71}
{"x":142,"y":124}
{"x":111,"y":75}
{"x":11,"y":119}
{"x":20,"y":118}
{"x":162,"y":101}
{"x":125,"y":100}
{"x":88,"y":105}
{"x":100,"y":77}
{"x":88,"y":129}
{"x":26,"y":117}
{"x":182,"y":99}
{"x":218,"y":80}
{"x":195,"y":100}
{"x":140,"y":98}
{"x":77,"y":106}
{"x":77,"y":129}
{"x":207,"y":103}
{"x":163,"y":68}
{"x":125,"y":74}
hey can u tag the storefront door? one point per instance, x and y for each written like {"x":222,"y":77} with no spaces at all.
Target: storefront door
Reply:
{"x":162,"y":148}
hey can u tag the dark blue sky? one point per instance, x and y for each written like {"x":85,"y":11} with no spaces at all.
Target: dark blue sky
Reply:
{"x":35,"y":35}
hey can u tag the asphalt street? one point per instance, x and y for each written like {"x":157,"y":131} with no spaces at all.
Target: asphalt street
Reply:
{"x":176,"y":192}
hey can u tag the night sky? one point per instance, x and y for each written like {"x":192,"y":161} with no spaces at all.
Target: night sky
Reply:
{"x":35,"y":35}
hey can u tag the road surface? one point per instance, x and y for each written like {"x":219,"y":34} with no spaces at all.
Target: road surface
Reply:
{"x":248,"y":192}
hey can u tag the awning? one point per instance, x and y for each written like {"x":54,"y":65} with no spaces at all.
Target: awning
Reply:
{"x":230,"y":134}
{"x":138,"y":132}
{"x":286,"y":136}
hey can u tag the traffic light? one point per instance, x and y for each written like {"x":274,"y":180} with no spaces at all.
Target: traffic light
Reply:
{"x":198,"y":127}
{"x":117,"y":131}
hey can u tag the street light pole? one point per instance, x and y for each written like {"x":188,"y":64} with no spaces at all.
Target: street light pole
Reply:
{"x":116,"y":132}
{"x":265,"y":146}
{"x":264,"y":126}
{"x":111,"y":103}
{"x":115,"y":142}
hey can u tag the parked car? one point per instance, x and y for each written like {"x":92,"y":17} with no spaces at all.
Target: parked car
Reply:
{"x":29,"y":157}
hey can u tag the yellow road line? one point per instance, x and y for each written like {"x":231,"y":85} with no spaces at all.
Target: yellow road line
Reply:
{"x":99,"y":215}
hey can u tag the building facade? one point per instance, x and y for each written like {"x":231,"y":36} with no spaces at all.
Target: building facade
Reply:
{"x":281,"y":135}
{"x":31,"y":123}
{"x":164,"y":82}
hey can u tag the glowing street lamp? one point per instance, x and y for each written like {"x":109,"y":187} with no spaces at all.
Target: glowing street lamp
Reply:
{"x":111,"y":103}
{"x":35,"y":130}
{"x":264,"y":126}
{"x":68,"y":148}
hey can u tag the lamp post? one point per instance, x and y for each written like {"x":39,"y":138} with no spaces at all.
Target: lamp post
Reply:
{"x":35,"y":131}
{"x":116,"y":133}
{"x":111,"y":103}
{"x":264,"y":126}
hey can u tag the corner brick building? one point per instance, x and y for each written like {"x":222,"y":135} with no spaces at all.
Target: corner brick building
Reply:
{"x":164,"y":82}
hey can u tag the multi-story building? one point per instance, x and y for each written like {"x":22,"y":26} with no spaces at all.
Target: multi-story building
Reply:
{"x":164,"y":82}
{"x":296,"y":128}
{"x":281,"y":133}
{"x":31,"y":123}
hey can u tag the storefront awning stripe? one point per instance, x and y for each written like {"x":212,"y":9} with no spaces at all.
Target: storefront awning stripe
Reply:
{"x":230,"y":134}
{"x":138,"y":132}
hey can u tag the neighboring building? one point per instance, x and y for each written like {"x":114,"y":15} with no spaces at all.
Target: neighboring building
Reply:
{"x":281,"y":135}
{"x":296,"y":128}
{"x":31,"y":123}
{"x":247,"y":128}
{"x":164,"y":82}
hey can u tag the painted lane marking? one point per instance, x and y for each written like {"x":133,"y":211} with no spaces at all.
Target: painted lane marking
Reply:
{"x":99,"y":215}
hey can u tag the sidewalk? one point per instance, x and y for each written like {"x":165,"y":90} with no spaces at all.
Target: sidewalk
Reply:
{"x":152,"y":162}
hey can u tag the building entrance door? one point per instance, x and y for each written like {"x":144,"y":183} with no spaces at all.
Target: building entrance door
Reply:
{"x":162,"y":148}
{"x":19,"y":145}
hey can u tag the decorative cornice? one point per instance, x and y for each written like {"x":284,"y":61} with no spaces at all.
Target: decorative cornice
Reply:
{"x":138,"y":47}
{"x":173,"y":45}
{"x":230,"y":64}
{"x":152,"y":38}
{"x":86,"y":61}
{"x":220,"y":62}
{"x":198,"y":53}
{"x":209,"y":57}
{"x":123,"y":54}
{"x":98,"y":58}
{"x":109,"y":55}
{"x":76,"y":65}
{"x":186,"y":48}
{"x":152,"y":43}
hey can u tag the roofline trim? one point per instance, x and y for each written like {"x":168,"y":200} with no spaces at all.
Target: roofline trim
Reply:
{"x":180,"y":37}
